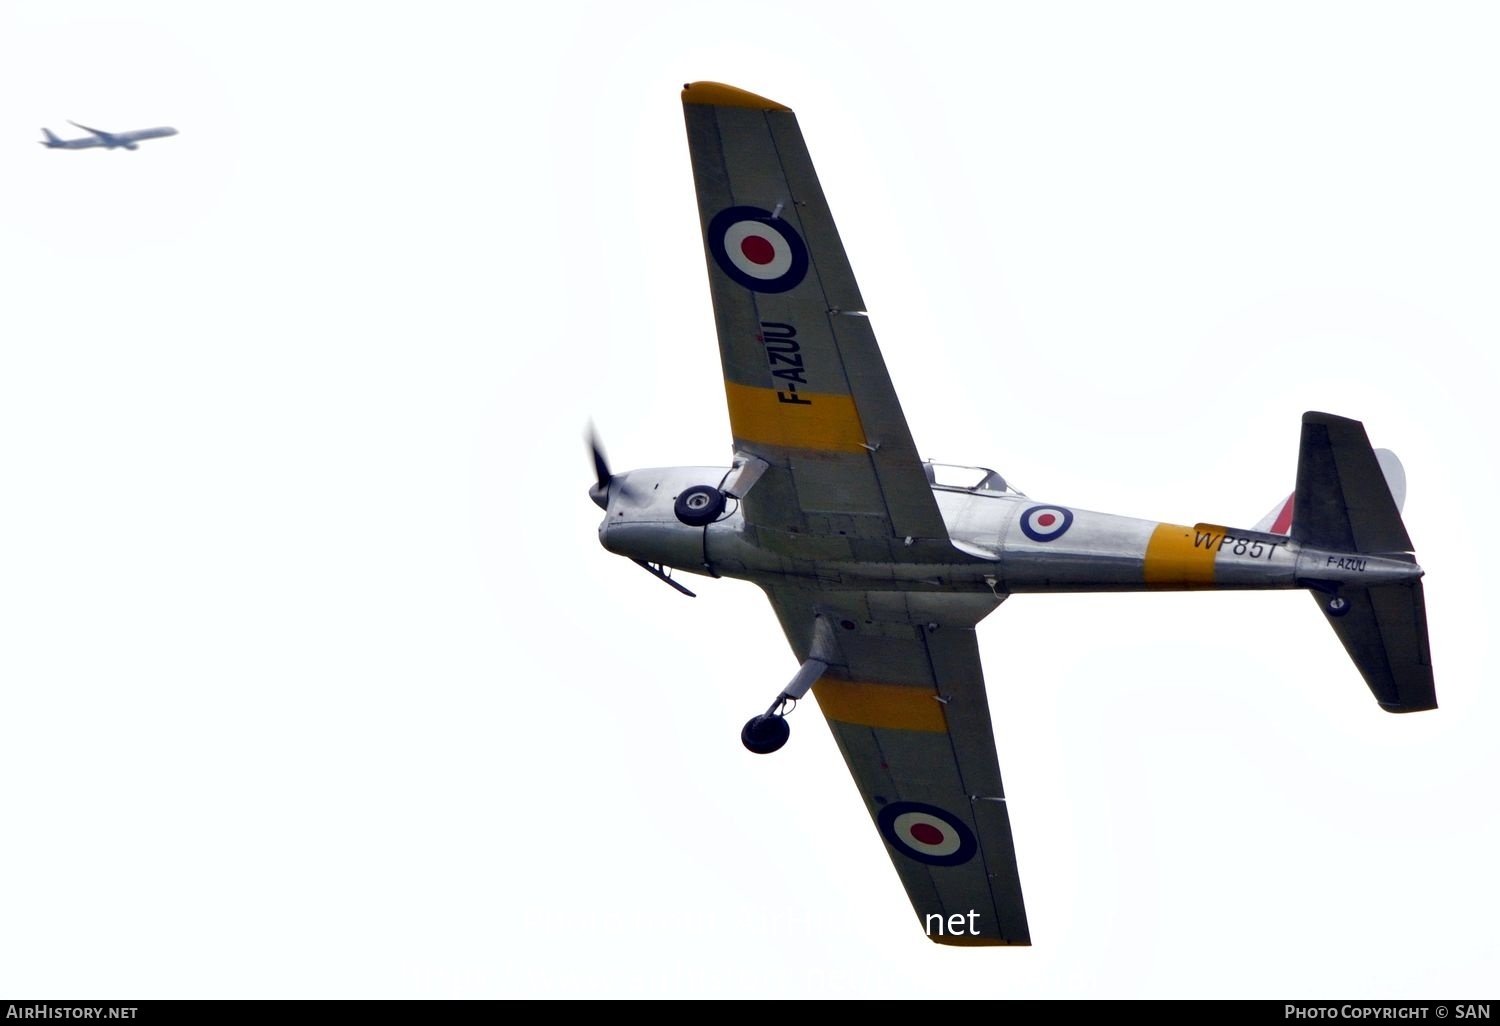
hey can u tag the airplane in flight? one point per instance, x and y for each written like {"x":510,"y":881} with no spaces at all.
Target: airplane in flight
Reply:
{"x":879,"y":565}
{"x":109,"y":140}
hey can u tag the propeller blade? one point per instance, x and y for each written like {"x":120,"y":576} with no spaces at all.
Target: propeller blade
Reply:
{"x":600,"y":492}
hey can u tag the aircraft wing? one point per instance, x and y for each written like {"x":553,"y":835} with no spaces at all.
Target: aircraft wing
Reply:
{"x":101,"y":134}
{"x":808,"y":391}
{"x":908,"y":710}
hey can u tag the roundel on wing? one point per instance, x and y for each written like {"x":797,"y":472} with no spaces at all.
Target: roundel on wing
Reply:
{"x":757,"y":250}
{"x":927,"y":833}
{"x":1044,"y":523}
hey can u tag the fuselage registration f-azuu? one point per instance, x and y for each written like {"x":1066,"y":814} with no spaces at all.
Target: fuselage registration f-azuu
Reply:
{"x":880,"y":565}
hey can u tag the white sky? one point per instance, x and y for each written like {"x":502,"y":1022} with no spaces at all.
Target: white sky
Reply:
{"x":316,"y":682}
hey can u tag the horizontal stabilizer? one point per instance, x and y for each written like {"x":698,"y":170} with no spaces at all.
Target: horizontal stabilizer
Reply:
{"x":1384,"y":630}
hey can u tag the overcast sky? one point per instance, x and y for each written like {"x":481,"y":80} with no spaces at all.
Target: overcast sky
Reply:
{"x":315,"y":682}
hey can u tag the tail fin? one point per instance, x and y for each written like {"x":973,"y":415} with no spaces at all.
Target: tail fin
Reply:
{"x":1342,"y":499}
{"x":1344,"y":503}
{"x":1279,"y":519}
{"x":51,"y":139}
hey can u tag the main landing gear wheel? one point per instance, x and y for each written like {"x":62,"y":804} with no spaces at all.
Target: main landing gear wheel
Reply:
{"x":699,"y":505}
{"x":765,"y":733}
{"x":1338,"y":606}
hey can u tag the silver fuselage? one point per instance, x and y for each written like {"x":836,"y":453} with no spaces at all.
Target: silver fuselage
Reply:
{"x":999,"y":542}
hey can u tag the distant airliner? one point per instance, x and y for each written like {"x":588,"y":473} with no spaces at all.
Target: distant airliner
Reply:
{"x":109,"y":140}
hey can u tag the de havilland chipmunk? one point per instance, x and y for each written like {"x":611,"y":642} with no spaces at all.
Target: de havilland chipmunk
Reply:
{"x":108,"y":140}
{"x":879,"y":565}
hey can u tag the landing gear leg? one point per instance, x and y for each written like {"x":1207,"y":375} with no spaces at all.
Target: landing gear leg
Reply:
{"x":767,"y":732}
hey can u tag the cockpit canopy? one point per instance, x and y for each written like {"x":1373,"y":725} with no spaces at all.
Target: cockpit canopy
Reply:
{"x":980,"y":480}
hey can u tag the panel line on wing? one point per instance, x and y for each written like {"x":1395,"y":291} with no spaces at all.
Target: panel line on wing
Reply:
{"x":991,"y":873}
{"x":833,"y":312}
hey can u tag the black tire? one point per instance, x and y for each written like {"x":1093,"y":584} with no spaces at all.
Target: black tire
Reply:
{"x":699,"y":505}
{"x":1338,"y":606}
{"x":765,"y":734}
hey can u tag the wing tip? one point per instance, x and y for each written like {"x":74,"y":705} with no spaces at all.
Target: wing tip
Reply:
{"x":971,"y":941}
{"x":1418,"y":705}
{"x":717,"y":94}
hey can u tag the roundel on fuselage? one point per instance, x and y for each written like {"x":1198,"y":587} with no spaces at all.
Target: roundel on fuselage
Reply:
{"x":1044,"y":523}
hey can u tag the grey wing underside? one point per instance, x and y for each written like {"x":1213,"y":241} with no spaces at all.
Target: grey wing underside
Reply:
{"x":836,"y":476}
{"x":807,"y":388}
{"x":908,"y":710}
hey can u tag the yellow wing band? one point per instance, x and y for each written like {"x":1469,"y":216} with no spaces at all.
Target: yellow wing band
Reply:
{"x":794,"y":420}
{"x":893,"y":706}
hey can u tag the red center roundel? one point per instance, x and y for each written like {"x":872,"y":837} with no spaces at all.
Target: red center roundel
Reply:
{"x":758,"y":249}
{"x":926,"y":833}
{"x":1044,"y":523}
